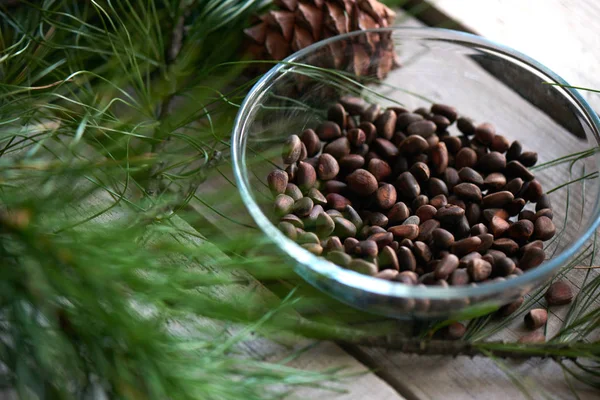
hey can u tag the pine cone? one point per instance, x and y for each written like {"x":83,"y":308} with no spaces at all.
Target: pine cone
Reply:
{"x":298,"y":24}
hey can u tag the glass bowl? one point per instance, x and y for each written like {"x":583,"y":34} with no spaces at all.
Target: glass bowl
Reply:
{"x":415,"y":67}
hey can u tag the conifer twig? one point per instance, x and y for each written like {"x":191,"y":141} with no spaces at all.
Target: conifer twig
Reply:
{"x":159,"y":145}
{"x":555,"y":351}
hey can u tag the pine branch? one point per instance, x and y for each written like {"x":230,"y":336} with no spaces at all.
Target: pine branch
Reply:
{"x":555,"y":351}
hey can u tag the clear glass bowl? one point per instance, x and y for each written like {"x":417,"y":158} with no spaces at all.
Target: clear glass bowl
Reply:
{"x":483,"y":80}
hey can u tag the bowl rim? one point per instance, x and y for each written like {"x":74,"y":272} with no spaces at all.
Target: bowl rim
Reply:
{"x":370,"y":284}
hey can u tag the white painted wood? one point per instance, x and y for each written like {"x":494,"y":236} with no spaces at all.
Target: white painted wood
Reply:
{"x":562,"y":34}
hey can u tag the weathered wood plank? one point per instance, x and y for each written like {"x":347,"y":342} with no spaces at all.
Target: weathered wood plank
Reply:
{"x":474,"y":378}
{"x":360,"y":386}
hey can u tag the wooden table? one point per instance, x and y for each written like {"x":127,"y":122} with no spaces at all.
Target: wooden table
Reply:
{"x":544,"y":29}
